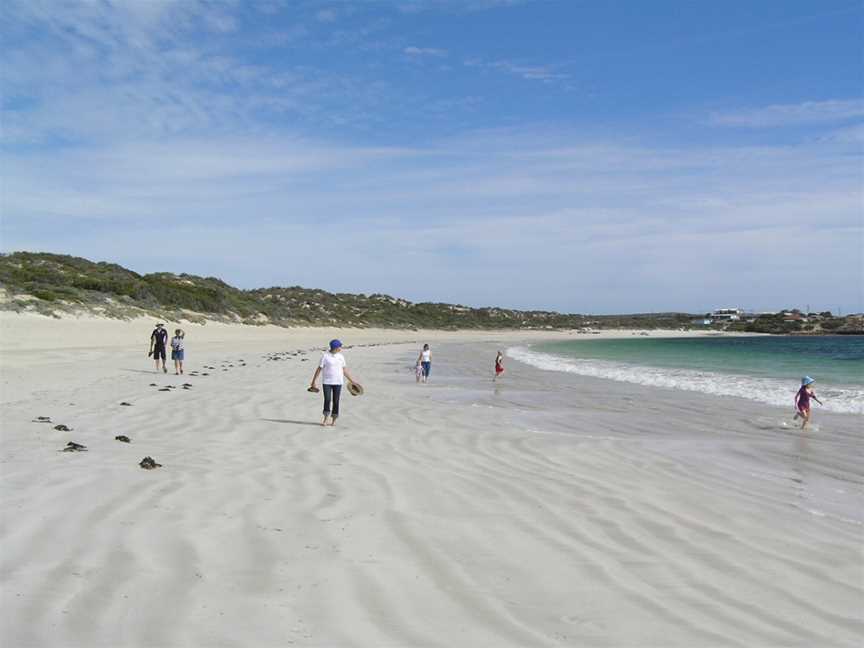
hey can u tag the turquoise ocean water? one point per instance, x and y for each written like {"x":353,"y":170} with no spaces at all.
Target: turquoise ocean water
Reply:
{"x":766,"y":369}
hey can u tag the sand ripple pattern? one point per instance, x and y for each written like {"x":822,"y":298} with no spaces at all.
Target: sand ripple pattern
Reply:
{"x":429,"y":516}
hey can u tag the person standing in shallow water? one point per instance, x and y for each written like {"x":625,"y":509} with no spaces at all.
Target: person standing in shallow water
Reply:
{"x":158,"y":342}
{"x":499,"y":365}
{"x":333,"y":371}
{"x":424,"y":361}
{"x":802,"y":401}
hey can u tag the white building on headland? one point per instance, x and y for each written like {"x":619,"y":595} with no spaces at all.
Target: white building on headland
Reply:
{"x":727,"y":314}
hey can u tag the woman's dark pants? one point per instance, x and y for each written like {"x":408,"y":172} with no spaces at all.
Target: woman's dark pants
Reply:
{"x":332,"y":392}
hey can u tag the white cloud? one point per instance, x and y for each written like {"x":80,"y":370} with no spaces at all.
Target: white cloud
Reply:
{"x":558,"y":222}
{"x":849,"y":135}
{"x":419,"y":6}
{"x":424,"y":51}
{"x":221,"y":23}
{"x":544,"y":73}
{"x":160,"y":126}
{"x":83,"y":81}
{"x":807,"y":112}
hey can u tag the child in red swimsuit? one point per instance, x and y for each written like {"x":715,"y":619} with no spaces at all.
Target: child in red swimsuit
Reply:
{"x":499,"y":365}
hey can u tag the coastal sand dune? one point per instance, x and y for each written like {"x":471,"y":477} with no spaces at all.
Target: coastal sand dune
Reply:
{"x":451,"y":514}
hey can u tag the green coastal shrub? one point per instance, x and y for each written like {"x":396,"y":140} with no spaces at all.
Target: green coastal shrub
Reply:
{"x":122,"y":292}
{"x":45,"y":295}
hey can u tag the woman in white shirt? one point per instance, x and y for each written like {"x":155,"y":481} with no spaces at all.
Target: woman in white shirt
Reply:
{"x":333,"y":372}
{"x":424,"y":361}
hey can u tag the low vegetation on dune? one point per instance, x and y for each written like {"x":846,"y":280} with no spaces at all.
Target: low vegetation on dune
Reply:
{"x":54,"y":284}
{"x":793,"y":322}
{"x":57,"y":283}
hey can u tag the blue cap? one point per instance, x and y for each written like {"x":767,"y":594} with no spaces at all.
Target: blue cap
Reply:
{"x":335,"y":344}
{"x":806,"y":380}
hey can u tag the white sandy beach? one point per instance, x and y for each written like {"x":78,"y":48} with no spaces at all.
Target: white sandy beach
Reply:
{"x":546,"y":510}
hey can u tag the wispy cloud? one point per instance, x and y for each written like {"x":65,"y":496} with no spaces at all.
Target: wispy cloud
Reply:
{"x":806,"y":112}
{"x":424,"y":51}
{"x":418,"y":6}
{"x":118,"y":116}
{"x":544,"y":73}
{"x":149,"y":69}
{"x":219,"y":22}
{"x":848,"y":135}
{"x":510,"y":199}
{"x":99,"y":71}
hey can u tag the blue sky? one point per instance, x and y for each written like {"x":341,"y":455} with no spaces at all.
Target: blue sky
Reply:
{"x":578,"y":156}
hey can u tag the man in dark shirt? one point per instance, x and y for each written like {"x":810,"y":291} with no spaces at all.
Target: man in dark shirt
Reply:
{"x":158,"y":342}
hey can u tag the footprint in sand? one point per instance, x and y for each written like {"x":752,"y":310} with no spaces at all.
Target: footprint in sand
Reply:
{"x":74,"y":447}
{"x":585,"y":624}
{"x":62,"y":428}
{"x":123,"y":438}
{"x":42,"y":419}
{"x":126,"y":404}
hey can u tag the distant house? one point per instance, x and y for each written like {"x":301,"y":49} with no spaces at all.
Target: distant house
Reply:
{"x":794,"y":317}
{"x":727,"y":314}
{"x":701,"y":321}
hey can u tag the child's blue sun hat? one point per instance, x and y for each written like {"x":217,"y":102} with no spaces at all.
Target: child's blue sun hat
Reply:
{"x":806,"y":380}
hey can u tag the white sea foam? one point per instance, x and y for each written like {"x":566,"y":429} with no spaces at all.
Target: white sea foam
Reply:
{"x":765,"y":390}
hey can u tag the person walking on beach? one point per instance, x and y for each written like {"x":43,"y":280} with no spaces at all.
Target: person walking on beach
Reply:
{"x":158,"y":341}
{"x":424,"y":361}
{"x":499,"y":365}
{"x":333,"y":371}
{"x":802,"y":401}
{"x":177,"y":351}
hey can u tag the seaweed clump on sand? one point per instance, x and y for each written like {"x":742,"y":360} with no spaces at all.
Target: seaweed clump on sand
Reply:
{"x":148,"y":463}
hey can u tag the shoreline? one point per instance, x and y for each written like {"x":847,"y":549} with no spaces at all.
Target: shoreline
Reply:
{"x":718,"y":379}
{"x":107,"y":345}
{"x":24,"y":331}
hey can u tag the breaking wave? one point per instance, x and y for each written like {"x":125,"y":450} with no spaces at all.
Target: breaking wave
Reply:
{"x":764,"y":390}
